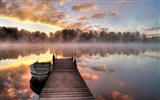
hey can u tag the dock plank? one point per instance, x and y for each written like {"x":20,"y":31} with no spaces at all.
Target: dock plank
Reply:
{"x":65,"y":83}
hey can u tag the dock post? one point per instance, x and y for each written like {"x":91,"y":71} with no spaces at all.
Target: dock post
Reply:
{"x":54,"y":58}
{"x":74,"y":58}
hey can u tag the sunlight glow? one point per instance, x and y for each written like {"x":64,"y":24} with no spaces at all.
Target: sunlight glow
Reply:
{"x":51,"y":26}
{"x":59,"y":56}
{"x":28,"y":60}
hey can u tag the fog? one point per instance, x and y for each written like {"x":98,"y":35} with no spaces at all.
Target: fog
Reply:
{"x":13,"y":51}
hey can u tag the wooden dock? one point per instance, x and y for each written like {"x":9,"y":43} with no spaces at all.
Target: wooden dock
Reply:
{"x":65,"y":83}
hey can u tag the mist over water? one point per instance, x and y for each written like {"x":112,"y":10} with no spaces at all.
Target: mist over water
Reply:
{"x":13,"y":51}
{"x":112,"y":71}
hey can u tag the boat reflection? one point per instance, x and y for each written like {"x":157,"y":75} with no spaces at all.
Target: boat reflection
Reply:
{"x":37,"y":84}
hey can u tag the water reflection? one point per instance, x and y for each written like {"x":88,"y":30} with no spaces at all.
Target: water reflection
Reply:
{"x":112,"y":72}
{"x":37,"y":84}
{"x":132,"y":78}
{"x":15,"y":83}
{"x":13,"y":51}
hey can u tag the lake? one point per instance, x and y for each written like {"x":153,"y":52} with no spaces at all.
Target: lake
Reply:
{"x":111,"y":71}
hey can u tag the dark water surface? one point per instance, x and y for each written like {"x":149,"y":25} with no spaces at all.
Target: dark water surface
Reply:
{"x":111,"y":71}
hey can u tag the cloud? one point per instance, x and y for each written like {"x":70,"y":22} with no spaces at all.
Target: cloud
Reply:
{"x":62,"y":2}
{"x":73,"y":25}
{"x":153,"y":28}
{"x":83,"y":18}
{"x":104,"y":15}
{"x":50,"y":12}
{"x":59,"y":16}
{"x":85,"y":7}
{"x":89,"y":76}
{"x":87,"y":28}
{"x":113,"y":13}
{"x":99,"y":15}
{"x":33,"y":11}
{"x":104,"y":29}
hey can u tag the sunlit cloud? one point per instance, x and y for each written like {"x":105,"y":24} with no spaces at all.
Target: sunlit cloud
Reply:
{"x":85,"y":7}
{"x":73,"y":25}
{"x":56,"y":12}
{"x":28,"y":25}
{"x":40,"y":12}
{"x":99,"y":15}
{"x":87,"y":28}
{"x":83,"y":18}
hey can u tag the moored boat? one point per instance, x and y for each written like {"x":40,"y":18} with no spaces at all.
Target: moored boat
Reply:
{"x":40,"y":69}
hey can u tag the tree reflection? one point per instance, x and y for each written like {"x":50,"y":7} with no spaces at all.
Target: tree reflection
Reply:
{"x":67,"y":50}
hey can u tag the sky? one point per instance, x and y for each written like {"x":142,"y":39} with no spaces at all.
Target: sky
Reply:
{"x":109,"y":15}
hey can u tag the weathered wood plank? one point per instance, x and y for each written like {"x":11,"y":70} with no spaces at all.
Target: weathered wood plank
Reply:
{"x":65,"y":83}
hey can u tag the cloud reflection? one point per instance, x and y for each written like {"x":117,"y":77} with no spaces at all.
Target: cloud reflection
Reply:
{"x":15,"y":83}
{"x":89,"y":77}
{"x":116,"y":95}
{"x":99,"y":68}
{"x":112,"y":71}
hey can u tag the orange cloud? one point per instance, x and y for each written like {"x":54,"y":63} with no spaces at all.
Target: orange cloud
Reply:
{"x":73,"y":25}
{"x":83,"y":18}
{"x":39,"y":12}
{"x":99,"y":15}
{"x":85,"y":7}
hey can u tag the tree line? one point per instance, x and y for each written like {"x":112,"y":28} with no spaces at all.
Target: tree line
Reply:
{"x":12,"y":34}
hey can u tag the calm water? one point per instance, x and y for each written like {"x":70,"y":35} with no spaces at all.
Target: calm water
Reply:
{"x":111,"y":71}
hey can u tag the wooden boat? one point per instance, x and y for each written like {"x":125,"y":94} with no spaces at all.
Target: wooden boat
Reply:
{"x":40,"y":69}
